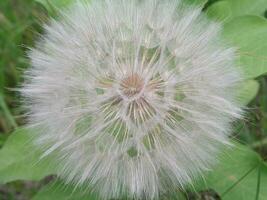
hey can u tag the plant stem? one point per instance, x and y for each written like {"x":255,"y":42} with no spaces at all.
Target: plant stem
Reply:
{"x":258,"y":183}
{"x":7,"y":112}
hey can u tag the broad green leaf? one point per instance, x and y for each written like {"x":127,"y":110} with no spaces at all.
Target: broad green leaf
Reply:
{"x":248,"y":91}
{"x":248,"y":7}
{"x":225,"y":10}
{"x":20,"y":160}
{"x":236,"y":175}
{"x":57,"y":190}
{"x":249,"y":35}
{"x":220,"y":10}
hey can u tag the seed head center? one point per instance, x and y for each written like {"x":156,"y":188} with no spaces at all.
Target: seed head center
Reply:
{"x":132,"y":85}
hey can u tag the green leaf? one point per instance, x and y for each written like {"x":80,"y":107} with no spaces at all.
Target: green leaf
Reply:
{"x":220,"y":10}
{"x":53,"y":5}
{"x":20,"y":160}
{"x":249,"y":35}
{"x":248,"y":91}
{"x":248,"y":7}
{"x":57,"y":190}
{"x":236,"y":175}
{"x":225,"y":10}
{"x":197,"y":2}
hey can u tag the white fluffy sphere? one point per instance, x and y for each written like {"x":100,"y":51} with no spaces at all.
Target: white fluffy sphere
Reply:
{"x":134,"y":97}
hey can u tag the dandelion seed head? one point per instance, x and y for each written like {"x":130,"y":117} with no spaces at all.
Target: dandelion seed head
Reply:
{"x":134,"y":97}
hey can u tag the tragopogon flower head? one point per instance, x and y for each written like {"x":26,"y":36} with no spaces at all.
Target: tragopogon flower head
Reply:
{"x":134,"y":97}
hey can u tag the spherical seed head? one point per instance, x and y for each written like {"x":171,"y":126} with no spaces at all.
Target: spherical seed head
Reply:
{"x":134,"y":97}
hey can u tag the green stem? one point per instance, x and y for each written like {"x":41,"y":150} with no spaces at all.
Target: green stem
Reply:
{"x":7,"y":112}
{"x":258,"y":183}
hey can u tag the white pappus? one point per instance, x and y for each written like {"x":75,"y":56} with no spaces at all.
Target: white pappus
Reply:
{"x":134,"y":97}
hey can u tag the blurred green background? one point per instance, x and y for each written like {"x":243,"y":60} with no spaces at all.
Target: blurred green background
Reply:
{"x":20,"y":25}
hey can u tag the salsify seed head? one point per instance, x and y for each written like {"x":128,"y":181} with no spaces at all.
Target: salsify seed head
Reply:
{"x":133,"y":97}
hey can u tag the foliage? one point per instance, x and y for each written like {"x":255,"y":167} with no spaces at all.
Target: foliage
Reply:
{"x":248,"y":34}
{"x":233,"y":165}
{"x":20,"y":24}
{"x":20,"y":159}
{"x":226,"y":10}
{"x":59,"y":191}
{"x":55,"y":5}
{"x":236,"y":175}
{"x":248,"y":91}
